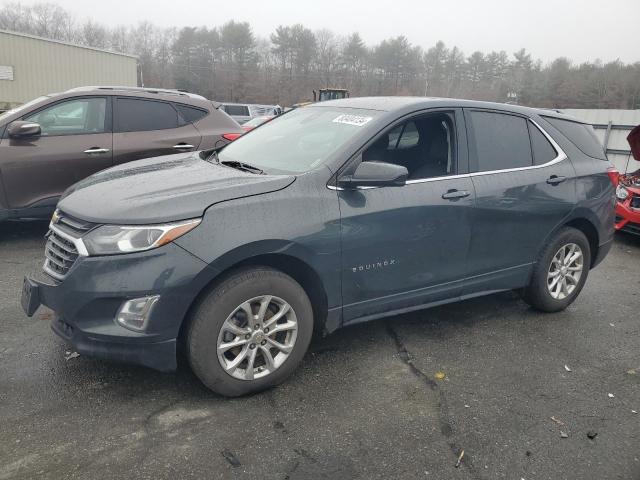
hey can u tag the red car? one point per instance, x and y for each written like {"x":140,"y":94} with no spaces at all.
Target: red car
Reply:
{"x":628,"y":192}
{"x":256,"y":122}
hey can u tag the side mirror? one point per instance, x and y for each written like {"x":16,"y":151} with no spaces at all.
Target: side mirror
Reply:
{"x":24,"y":129}
{"x":375,"y":174}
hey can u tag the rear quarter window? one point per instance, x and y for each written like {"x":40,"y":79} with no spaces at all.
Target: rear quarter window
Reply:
{"x":581,"y":135}
{"x":190,"y":114}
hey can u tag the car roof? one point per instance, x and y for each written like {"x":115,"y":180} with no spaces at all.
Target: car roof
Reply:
{"x":177,"y":95}
{"x":403,"y":105}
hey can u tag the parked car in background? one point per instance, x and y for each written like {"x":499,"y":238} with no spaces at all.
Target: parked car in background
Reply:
{"x":333,"y":214}
{"x":628,"y":192}
{"x":52,"y":142}
{"x":256,"y":122}
{"x":243,"y":112}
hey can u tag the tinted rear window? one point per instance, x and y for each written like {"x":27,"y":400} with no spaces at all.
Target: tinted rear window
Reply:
{"x":543,"y":151}
{"x":501,"y":141}
{"x":190,"y":114}
{"x":581,"y":135}
{"x":241,"y":110}
{"x":136,"y":115}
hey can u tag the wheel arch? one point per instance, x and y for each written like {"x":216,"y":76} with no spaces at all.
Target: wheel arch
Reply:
{"x":590,"y":231}
{"x":296,"y":266}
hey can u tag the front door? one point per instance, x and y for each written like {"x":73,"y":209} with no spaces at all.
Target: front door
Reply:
{"x":76,"y":141}
{"x":407,"y":246}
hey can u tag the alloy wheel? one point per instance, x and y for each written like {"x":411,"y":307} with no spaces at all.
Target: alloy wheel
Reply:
{"x":257,"y":337}
{"x":565,"y":271}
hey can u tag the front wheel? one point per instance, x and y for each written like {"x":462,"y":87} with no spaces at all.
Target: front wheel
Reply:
{"x":560,"y":272}
{"x":250,"y":332}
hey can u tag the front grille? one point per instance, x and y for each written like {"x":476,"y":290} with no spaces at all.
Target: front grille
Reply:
{"x":72,"y":225}
{"x":635,"y":201}
{"x":61,"y":251}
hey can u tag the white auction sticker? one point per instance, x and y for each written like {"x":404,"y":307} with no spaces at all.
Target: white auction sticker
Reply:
{"x":356,"y":120}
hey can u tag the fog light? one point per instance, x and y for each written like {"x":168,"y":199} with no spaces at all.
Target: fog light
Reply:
{"x":134,"y":314}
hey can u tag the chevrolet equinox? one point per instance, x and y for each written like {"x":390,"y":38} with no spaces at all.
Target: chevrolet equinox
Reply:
{"x":333,"y":214}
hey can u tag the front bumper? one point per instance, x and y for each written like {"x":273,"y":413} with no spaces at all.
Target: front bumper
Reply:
{"x":85,"y":303}
{"x":627,"y":217}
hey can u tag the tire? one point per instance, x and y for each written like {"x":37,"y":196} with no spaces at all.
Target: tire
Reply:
{"x":222,"y":319}
{"x":538,"y":293}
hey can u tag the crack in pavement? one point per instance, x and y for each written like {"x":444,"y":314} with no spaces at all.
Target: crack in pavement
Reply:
{"x":443,"y":409}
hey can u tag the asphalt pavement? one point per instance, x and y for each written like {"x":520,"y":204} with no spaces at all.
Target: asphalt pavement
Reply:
{"x":518,"y":391}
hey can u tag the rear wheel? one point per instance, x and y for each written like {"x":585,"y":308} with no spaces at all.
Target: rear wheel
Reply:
{"x":250,"y":332}
{"x":560,"y":272}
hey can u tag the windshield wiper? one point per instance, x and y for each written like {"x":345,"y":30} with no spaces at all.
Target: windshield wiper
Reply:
{"x":241,"y":166}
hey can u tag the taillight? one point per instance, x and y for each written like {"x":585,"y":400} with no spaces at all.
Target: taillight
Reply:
{"x":614,"y":175}
{"x":231,"y":136}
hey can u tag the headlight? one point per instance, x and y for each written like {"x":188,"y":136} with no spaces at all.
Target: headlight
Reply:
{"x":622,"y":193}
{"x":113,"y":239}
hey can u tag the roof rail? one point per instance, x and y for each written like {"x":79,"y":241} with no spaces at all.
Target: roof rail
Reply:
{"x":160,"y":91}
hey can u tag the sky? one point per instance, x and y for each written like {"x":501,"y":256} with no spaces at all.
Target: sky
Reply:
{"x":581,"y":30}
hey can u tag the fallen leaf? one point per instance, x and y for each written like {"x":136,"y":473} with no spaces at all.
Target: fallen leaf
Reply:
{"x":440,"y":375}
{"x":70,"y":355}
{"x":559,"y":422}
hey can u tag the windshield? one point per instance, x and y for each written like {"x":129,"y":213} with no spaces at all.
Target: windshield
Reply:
{"x":299,"y":140}
{"x":21,"y":108}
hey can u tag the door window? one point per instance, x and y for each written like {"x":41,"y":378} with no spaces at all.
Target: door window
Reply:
{"x":137,"y":115}
{"x":501,"y":141}
{"x":543,"y":151}
{"x":424,"y":146}
{"x":73,"y":117}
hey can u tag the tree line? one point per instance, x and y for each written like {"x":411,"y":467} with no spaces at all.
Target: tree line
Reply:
{"x":231,"y":63}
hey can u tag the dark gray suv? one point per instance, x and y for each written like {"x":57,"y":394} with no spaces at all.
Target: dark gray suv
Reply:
{"x":333,"y":214}
{"x":52,"y":142}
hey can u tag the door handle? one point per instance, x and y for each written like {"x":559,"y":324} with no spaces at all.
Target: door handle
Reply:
{"x":453,"y":194}
{"x":183,"y":146}
{"x":94,"y":150}
{"x":555,"y":179}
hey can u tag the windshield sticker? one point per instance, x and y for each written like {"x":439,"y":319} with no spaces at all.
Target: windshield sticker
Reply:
{"x":356,"y":120}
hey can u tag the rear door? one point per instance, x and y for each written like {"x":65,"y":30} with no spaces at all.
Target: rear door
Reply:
{"x":524,"y":187}
{"x":146,"y":128}
{"x":76,"y":141}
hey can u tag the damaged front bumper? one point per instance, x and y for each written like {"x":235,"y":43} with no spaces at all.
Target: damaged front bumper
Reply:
{"x":628,"y":210}
{"x":86,"y":302}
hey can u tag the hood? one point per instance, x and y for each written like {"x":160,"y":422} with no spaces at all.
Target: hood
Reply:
{"x":162,"y":189}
